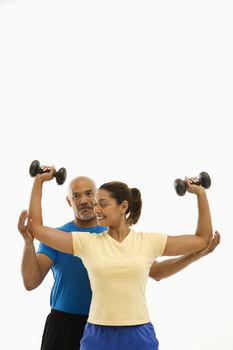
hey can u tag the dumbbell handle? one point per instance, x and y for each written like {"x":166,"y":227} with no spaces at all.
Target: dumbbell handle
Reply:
{"x":197,"y":182}
{"x":41,"y":171}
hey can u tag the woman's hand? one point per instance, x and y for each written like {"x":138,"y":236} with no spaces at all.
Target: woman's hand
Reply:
{"x":214,"y":242}
{"x":191,"y":187}
{"x":49,"y":173}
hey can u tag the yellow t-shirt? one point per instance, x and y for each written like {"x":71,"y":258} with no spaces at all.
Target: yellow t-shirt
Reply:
{"x":118,"y":272}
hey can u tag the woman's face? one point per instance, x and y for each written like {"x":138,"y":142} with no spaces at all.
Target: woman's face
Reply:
{"x":108,"y":211}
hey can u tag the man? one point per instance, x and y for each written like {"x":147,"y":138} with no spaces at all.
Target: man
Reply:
{"x":71,"y":293}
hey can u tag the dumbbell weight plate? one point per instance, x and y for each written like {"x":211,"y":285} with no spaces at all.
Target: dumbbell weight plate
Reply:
{"x":205,"y":179}
{"x":180,"y":187}
{"x":34,"y":167}
{"x":61,"y":176}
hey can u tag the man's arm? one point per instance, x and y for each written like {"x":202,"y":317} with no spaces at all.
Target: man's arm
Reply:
{"x":34,"y":267}
{"x":169,"y":267}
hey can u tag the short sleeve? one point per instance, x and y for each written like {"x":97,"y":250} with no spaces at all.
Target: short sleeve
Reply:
{"x":158,"y":243}
{"x":50,"y":252}
{"x":80,"y":241}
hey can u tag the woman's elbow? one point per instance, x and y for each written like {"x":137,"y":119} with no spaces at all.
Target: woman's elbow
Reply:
{"x":203,"y":242}
{"x":207,"y":238}
{"x":34,"y":229}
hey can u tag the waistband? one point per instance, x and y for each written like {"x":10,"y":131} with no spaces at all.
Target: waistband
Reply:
{"x":64,"y":314}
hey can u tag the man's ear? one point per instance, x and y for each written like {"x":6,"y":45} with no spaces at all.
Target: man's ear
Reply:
{"x":68,"y":201}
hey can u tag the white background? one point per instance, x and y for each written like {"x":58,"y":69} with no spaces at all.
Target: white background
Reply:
{"x":139,"y":91}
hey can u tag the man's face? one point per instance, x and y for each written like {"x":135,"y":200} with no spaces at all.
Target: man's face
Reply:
{"x":82,"y":199}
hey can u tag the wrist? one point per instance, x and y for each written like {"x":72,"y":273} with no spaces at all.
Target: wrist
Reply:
{"x":39,"y":179}
{"x":193,"y":256}
{"x":201,"y":193}
{"x":29,"y":243}
{"x":189,"y":256}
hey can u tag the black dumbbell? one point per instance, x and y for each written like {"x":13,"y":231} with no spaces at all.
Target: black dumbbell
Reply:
{"x":203,"y":180}
{"x":35,"y":169}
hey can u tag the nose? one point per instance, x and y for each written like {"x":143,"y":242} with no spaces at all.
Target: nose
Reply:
{"x":97,"y":208}
{"x":83,"y":199}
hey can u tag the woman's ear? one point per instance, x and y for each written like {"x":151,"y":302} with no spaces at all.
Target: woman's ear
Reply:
{"x":124,"y":206}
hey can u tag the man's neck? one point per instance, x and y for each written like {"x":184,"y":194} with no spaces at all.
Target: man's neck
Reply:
{"x":85,"y":224}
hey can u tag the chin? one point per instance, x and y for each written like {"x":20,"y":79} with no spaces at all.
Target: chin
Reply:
{"x":87,"y":217}
{"x":102,"y":222}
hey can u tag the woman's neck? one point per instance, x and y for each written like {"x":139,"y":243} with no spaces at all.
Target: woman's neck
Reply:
{"x":119,"y":233}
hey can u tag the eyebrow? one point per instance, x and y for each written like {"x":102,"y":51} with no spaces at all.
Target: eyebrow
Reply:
{"x":90,"y":190}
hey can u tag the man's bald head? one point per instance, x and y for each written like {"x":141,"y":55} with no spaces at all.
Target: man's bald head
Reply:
{"x":79,"y":181}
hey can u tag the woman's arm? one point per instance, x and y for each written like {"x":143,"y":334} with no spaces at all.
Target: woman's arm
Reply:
{"x":163,"y":269}
{"x":185,"y":244}
{"x":56,"y":239}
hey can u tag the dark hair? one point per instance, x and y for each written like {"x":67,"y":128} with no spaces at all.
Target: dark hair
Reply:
{"x":121,"y":192}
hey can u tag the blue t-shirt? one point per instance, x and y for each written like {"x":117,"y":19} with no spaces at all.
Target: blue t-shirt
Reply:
{"x":71,"y":291}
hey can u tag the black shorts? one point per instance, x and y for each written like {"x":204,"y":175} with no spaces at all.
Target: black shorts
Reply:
{"x":63,"y":331}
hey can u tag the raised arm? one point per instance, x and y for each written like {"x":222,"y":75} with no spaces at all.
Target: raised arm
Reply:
{"x":56,"y":239}
{"x":166,"y":268}
{"x":184,"y":244}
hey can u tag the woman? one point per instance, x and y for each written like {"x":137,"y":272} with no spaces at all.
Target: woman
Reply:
{"x":118,"y":261}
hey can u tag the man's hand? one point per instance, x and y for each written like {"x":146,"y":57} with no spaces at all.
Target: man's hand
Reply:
{"x":23,"y":227}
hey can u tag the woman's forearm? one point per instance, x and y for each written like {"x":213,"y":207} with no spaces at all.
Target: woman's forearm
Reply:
{"x":35,"y":208}
{"x":204,"y":225}
{"x":163,"y":269}
{"x":56,"y":239}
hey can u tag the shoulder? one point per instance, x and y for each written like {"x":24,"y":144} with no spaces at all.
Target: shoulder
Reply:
{"x":88,"y":235}
{"x":150,"y":236}
{"x":153,"y":241}
{"x":85,"y":240}
{"x":99,"y":235}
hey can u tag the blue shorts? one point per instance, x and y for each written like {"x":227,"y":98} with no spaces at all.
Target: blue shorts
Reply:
{"x":140,"y":337}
